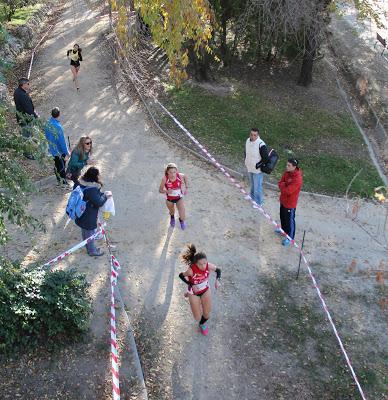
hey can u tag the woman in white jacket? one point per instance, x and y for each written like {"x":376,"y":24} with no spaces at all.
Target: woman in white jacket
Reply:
{"x":256,"y":154}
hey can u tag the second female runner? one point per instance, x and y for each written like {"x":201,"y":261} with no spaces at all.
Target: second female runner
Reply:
{"x":174,"y":185}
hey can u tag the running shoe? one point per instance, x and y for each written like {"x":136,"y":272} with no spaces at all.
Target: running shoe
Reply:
{"x":204,"y":329}
{"x":172,"y":221}
{"x":278,"y":231}
{"x":99,"y":253}
{"x":183,"y":225}
{"x":247,"y":197}
{"x":286,"y":242}
{"x":255,"y":206}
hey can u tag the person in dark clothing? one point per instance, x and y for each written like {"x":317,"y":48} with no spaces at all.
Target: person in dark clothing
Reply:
{"x":91,"y":185}
{"x":75,"y":56}
{"x":290,"y":185}
{"x":57,"y":146}
{"x":25,"y":111}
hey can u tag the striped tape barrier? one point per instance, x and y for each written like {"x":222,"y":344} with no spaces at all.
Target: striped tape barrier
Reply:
{"x":74,"y":248}
{"x":114,"y":272}
{"x":131,"y":339}
{"x":34,"y":50}
{"x":115,"y":267}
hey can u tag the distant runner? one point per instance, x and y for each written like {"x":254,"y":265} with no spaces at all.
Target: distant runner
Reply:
{"x":75,"y":56}
{"x":174,"y":185}
{"x":198,"y":292}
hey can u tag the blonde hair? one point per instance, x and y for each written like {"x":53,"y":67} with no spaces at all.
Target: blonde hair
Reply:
{"x":81,"y":146}
{"x":168,"y":167}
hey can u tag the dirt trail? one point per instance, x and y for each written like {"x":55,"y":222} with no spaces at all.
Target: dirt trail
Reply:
{"x":178,"y":362}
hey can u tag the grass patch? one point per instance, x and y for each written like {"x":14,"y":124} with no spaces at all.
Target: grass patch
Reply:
{"x":22,"y":15}
{"x":329,"y":146}
{"x":300,"y":329}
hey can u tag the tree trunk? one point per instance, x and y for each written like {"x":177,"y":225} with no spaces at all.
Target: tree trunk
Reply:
{"x":223,"y":47}
{"x":306,"y":71}
{"x":200,"y":66}
{"x":204,"y":66}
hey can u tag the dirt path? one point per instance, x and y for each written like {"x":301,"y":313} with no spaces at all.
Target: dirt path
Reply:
{"x":235,"y":361}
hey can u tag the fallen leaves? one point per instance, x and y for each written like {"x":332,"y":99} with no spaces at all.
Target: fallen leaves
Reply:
{"x":352,"y":266}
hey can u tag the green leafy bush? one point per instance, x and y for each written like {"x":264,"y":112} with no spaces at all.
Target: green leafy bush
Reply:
{"x":37,"y":305}
{"x":3,"y":35}
{"x":15,"y":180}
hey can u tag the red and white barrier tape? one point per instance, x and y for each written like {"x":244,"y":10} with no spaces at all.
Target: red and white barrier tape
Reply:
{"x":74,"y":248}
{"x":33,"y":51}
{"x":131,"y":338}
{"x":115,"y":267}
{"x":271,"y":220}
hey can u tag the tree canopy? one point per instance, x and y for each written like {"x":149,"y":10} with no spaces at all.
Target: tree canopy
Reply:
{"x":230,"y":29}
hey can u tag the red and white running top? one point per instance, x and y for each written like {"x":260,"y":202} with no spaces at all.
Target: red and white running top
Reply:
{"x":175,"y":186}
{"x":199,"y":281}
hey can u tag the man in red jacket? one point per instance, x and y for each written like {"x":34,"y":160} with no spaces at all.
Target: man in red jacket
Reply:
{"x":289,"y":185}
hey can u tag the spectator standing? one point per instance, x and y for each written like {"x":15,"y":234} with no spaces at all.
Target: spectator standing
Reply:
{"x":25,"y":110}
{"x":80,"y":157}
{"x":256,"y":154}
{"x":91,"y":185}
{"x":57,"y":146}
{"x":290,"y":185}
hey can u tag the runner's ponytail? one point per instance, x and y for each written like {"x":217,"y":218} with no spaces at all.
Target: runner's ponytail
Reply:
{"x":190,"y":256}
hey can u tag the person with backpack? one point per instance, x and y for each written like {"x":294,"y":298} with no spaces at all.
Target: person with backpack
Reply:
{"x":290,"y":185}
{"x":93,"y":198}
{"x":57,"y":146}
{"x":80,"y":157}
{"x":256,"y":154}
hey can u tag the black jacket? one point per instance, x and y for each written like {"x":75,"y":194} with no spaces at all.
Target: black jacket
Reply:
{"x":94,"y":200}
{"x":24,"y":105}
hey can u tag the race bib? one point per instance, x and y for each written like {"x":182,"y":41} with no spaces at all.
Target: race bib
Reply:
{"x":175,"y":193}
{"x":200,"y":286}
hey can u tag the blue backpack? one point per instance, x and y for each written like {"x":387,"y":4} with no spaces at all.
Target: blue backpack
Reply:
{"x":76,"y":205}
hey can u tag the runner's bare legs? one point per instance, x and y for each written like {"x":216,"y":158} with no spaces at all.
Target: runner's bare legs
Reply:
{"x":74,"y":71}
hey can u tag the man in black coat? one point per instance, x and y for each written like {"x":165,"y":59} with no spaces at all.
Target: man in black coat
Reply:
{"x":25,"y":111}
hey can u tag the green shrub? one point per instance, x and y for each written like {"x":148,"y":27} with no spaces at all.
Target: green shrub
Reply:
{"x":36,"y":305}
{"x":3,"y":35}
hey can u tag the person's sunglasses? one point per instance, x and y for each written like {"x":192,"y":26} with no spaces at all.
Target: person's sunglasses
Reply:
{"x":88,"y":143}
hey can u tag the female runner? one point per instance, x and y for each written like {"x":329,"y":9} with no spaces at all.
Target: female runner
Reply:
{"x":75,"y":59}
{"x":198,"y":284}
{"x":174,"y":185}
